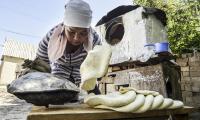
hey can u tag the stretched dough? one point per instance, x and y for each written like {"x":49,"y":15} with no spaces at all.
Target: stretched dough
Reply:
{"x":176,"y":104}
{"x":147,"y":105}
{"x":144,"y":92}
{"x":94,"y":66}
{"x":125,"y":101}
{"x":166,"y":103}
{"x":133,"y":106}
{"x":158,"y":100}
{"x":115,"y":99}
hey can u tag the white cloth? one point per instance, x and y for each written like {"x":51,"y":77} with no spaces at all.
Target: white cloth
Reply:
{"x":77,"y":14}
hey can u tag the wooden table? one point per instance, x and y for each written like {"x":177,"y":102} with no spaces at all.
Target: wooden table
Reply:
{"x":83,"y":112}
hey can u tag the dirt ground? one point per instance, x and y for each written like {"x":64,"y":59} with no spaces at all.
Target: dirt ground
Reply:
{"x":12,"y":108}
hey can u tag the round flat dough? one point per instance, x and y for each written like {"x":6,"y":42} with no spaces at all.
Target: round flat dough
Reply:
{"x":176,"y":104}
{"x":133,"y":106}
{"x":149,"y":99}
{"x":115,"y":99}
{"x":166,"y":103}
{"x":158,"y":100}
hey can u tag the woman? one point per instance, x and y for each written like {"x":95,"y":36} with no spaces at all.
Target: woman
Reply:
{"x":66,"y":45}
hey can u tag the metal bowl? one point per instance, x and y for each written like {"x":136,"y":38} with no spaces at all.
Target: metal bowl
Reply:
{"x":42,"y":89}
{"x":44,"y":98}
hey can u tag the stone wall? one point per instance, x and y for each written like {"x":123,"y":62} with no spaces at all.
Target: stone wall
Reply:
{"x":190,"y":78}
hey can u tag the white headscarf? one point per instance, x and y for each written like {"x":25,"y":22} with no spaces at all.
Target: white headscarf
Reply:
{"x":77,"y":14}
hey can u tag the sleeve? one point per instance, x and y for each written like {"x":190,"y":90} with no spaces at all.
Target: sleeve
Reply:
{"x":42,"y":52}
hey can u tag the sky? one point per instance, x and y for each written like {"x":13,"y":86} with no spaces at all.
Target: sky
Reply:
{"x":30,"y":20}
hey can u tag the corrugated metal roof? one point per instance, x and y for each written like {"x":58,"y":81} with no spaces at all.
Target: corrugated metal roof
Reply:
{"x":19,"y":49}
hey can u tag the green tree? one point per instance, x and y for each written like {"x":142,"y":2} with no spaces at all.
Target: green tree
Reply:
{"x":183,"y":22}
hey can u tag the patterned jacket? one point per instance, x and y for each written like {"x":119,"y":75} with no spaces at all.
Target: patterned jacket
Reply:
{"x":68,"y":66}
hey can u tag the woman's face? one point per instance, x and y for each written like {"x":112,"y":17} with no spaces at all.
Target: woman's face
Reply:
{"x":76,"y":36}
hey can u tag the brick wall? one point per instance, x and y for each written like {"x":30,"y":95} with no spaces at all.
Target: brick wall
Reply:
{"x":190,"y":78}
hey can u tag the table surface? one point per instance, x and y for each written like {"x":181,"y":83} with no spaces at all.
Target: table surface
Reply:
{"x":84,"y":112}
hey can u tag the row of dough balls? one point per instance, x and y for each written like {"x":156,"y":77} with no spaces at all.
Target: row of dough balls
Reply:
{"x":132,"y":100}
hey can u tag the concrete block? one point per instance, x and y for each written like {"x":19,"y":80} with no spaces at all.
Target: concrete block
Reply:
{"x":188,"y":87}
{"x":194,"y":68}
{"x":194,"y":64}
{"x":195,"y":89}
{"x":195,"y":79}
{"x":185,"y":69}
{"x":194,"y":74}
{"x":187,"y":55}
{"x":182,"y":86}
{"x":185,"y":80}
{"x":195,"y":82}
{"x":186,"y":94}
{"x":182,"y":62}
{"x":185,"y":74}
{"x":189,"y":99}
{"x":196,"y":98}
{"x":194,"y":59}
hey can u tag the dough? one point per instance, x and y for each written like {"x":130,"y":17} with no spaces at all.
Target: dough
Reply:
{"x":115,"y":99}
{"x":132,"y":100}
{"x":144,"y":92}
{"x":133,"y":106}
{"x":94,"y":66}
{"x":158,"y":100}
{"x":147,"y":105}
{"x":176,"y":104}
{"x":166,"y":103}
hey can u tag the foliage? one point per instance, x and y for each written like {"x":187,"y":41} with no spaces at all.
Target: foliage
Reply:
{"x":183,"y":24}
